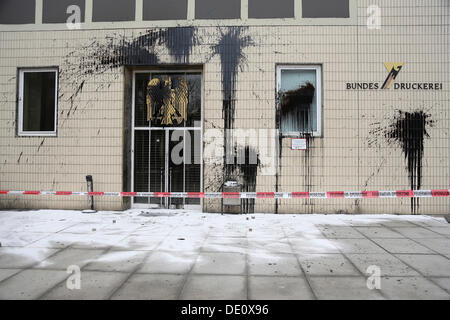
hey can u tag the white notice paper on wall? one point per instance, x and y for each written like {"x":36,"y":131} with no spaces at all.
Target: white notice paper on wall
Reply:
{"x":298,"y":144}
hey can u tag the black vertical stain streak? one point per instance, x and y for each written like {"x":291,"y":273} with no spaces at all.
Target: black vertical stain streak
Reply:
{"x":40,"y":145}
{"x":20,"y":156}
{"x":232,"y":58}
{"x":408,"y":130}
{"x":296,"y":103}
{"x":278,"y":98}
{"x":246,"y":160}
{"x":307,"y":167}
{"x":180,"y":41}
{"x":230,"y":48}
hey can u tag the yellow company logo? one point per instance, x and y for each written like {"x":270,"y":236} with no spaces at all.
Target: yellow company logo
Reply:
{"x":394,"y":69}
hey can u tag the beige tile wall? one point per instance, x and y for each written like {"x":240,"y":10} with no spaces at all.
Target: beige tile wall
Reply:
{"x":90,"y":136}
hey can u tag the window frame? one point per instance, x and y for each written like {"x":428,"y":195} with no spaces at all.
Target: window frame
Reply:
{"x":318,"y":70}
{"x":20,"y":131}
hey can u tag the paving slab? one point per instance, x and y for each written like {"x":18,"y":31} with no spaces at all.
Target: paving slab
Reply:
{"x":357,"y":246}
{"x":433,"y":222}
{"x":198,"y":231}
{"x":19,"y":258}
{"x":150,"y":287}
{"x":305,"y":232}
{"x":220,"y":263}
{"x":443,"y":283}
{"x":327,"y":265}
{"x":44,"y":226}
{"x":418,"y":233}
{"x":229,"y":230}
{"x":340,"y":232}
{"x":438,"y":245}
{"x":313,"y":246}
{"x":445,"y":230}
{"x":269,"y":245}
{"x":30,"y":284}
{"x":427,"y":265}
{"x":6,"y":273}
{"x":343,"y":288}
{"x":411,"y":288}
{"x":402,"y":246}
{"x":70,"y":256}
{"x":169,"y":262}
{"x":22,"y":239}
{"x":84,"y":228}
{"x":379,"y":232}
{"x":139,"y":242}
{"x":118,"y":261}
{"x":277,"y":264}
{"x":398,"y":223}
{"x":97,"y":240}
{"x":94,"y":285}
{"x":389,"y":265}
{"x":189,"y":254}
{"x":171,"y":243}
{"x":214,"y":287}
{"x":279,"y":288}
{"x":55,"y":240}
{"x":225,"y":244}
{"x":257,"y":232}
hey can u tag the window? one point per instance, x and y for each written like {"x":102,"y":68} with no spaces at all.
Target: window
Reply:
{"x":325,"y":9}
{"x":37,"y":101}
{"x":217,"y":9}
{"x":117,"y":10}
{"x":266,"y":9}
{"x":55,"y":11}
{"x":17,"y":11}
{"x":299,"y":100}
{"x":165,"y":10}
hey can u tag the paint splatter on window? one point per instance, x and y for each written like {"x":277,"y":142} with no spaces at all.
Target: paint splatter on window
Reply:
{"x":298,"y":101}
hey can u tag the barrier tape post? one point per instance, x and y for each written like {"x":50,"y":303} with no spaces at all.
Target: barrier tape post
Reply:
{"x":91,"y":193}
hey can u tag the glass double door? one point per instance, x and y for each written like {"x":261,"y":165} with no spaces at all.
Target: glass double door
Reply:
{"x":167,"y":156}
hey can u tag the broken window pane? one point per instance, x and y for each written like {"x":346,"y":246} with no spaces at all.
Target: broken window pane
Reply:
{"x":298,"y":101}
{"x":38,"y":101}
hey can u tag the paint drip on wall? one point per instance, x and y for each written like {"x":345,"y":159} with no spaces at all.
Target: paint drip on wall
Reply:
{"x":407,"y":130}
{"x":230,"y":49}
{"x":105,"y":54}
{"x":246,"y":160}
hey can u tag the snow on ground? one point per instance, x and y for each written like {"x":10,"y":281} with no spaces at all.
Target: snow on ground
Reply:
{"x":183,"y":254}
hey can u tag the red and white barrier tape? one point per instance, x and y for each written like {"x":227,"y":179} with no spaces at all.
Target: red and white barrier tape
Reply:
{"x":252,"y":195}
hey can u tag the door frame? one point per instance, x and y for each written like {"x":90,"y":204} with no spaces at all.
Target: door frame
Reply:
{"x":166,"y":129}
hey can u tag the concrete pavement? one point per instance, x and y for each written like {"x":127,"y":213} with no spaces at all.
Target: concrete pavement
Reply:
{"x":142,"y":254}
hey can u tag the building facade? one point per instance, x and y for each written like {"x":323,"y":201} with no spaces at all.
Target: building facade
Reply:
{"x":188,"y":95}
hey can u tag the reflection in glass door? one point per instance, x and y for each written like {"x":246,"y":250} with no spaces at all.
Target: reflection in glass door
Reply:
{"x":167,"y":145}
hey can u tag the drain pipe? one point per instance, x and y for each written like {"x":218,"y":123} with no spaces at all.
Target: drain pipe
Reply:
{"x":90,"y":188}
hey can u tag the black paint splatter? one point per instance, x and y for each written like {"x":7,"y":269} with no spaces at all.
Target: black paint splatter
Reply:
{"x":116,"y":50}
{"x":180,"y":41}
{"x":232,"y":58}
{"x":245,"y":163}
{"x":299,"y":98}
{"x":408,"y":130}
{"x":230,"y":50}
